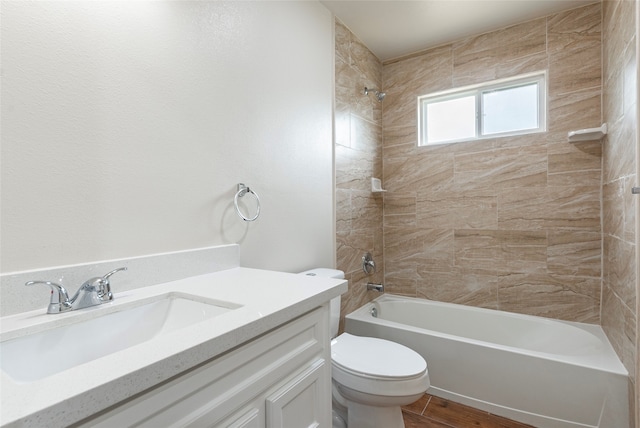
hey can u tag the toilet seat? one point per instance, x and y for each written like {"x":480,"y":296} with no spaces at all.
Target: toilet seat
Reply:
{"x":377,"y":366}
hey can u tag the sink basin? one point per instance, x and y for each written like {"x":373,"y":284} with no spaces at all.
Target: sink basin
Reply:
{"x":39,"y":355}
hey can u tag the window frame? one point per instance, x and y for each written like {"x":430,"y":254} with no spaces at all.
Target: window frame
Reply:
{"x":539,"y":77}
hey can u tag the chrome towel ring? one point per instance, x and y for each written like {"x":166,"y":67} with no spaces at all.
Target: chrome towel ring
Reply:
{"x":243,"y":190}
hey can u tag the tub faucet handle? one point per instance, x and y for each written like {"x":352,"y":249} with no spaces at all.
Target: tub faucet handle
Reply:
{"x":368,"y":265}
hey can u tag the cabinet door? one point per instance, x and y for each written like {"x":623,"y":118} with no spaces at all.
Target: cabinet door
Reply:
{"x":304,"y":401}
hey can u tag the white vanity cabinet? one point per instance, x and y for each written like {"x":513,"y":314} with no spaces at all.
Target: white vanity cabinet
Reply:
{"x":279,"y":379}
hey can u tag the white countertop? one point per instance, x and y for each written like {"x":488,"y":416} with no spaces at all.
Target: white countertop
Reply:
{"x":268,"y":300}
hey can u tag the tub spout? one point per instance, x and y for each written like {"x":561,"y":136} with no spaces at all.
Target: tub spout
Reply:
{"x":377,"y":287}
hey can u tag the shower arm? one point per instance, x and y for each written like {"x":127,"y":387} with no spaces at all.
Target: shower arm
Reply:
{"x":379,"y":95}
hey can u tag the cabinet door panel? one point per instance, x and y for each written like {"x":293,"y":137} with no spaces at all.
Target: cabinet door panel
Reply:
{"x":302,"y":402}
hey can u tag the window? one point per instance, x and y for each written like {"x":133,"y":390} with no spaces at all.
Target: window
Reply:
{"x":500,"y":108}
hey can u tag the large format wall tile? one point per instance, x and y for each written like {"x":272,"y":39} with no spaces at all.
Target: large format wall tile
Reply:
{"x":478,"y":59}
{"x":574,"y":46}
{"x":513,"y":222}
{"x":502,"y":168}
{"x":620,"y":98}
{"x":358,"y":158}
{"x":563,"y":297}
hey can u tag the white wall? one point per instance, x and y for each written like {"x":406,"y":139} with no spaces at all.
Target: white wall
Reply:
{"x":126,"y":126}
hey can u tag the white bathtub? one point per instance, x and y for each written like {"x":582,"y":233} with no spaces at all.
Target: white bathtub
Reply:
{"x":543,"y":372}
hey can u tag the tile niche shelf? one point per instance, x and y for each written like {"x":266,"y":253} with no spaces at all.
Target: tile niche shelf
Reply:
{"x":589,"y":134}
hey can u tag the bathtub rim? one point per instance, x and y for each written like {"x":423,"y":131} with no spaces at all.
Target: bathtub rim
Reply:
{"x":609,"y":363}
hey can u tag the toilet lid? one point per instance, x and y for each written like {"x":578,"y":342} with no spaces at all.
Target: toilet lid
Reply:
{"x":371,"y":356}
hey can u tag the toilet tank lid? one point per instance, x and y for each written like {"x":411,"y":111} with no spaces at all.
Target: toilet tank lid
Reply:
{"x":324,"y":273}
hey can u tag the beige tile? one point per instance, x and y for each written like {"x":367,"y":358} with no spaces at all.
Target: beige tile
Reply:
{"x":619,"y":149}
{"x":400,"y":135}
{"x":414,"y":173}
{"x":619,"y":29}
{"x":569,"y":178}
{"x":342,"y":42}
{"x":363,"y":60}
{"x":365,"y":136}
{"x":399,"y":151}
{"x":562,"y":297}
{"x":613,"y":208}
{"x":404,"y":243}
{"x":409,"y":249}
{"x":476,"y":71}
{"x":575,"y":110}
{"x":449,"y":210}
{"x":401,"y":286}
{"x":405,"y":81}
{"x":438,"y":253}
{"x":430,"y":71}
{"x":510,"y":223}
{"x":629,"y":84}
{"x":574,"y":253}
{"x":575,"y":23}
{"x":575,"y":163}
{"x":351,"y":245}
{"x":502,"y":168}
{"x":618,"y":322}
{"x":527,"y":64}
{"x":342,"y":126}
{"x":630,"y":213}
{"x":357,"y":294}
{"x":466,"y":147}
{"x":343,"y":210}
{"x":522,"y":251}
{"x":612,"y":97}
{"x":399,"y":220}
{"x":464,"y":289}
{"x":478,"y":56}
{"x":345,"y":79}
{"x":575,"y":69}
{"x":353,"y":171}
{"x":476,"y":251}
{"x":574,"y":46}
{"x":400,"y":210}
{"x":620,"y":257}
{"x":366,"y":210}
{"x":576,"y":208}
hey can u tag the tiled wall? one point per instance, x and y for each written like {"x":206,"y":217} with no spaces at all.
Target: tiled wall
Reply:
{"x":507,"y":223}
{"x":620,"y":289}
{"x":358,"y":157}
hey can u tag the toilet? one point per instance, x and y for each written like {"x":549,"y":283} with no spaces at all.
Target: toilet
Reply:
{"x":371,"y":378}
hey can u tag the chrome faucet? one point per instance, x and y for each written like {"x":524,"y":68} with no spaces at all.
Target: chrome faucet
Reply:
{"x":94,"y":291}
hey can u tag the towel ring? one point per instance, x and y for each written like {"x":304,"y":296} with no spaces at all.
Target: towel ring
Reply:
{"x":243,"y":190}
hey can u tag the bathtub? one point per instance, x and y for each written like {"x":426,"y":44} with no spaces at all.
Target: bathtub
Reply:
{"x":539,"y":371}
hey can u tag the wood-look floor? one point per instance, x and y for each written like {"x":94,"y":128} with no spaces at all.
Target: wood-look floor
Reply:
{"x":435,"y":412}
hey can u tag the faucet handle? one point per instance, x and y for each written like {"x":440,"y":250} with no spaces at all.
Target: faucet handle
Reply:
{"x":107,"y":275}
{"x":59,"y":297}
{"x":104,"y":287}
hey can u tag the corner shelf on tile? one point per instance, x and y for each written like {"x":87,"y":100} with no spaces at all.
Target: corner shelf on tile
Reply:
{"x":376,"y":185}
{"x":589,"y":134}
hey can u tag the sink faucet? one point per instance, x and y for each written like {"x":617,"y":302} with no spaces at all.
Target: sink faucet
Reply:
{"x":94,"y":291}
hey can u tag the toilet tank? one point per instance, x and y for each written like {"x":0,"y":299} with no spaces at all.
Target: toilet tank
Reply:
{"x":334,"y":304}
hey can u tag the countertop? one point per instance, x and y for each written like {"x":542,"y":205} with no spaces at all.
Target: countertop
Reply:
{"x":268,"y":299}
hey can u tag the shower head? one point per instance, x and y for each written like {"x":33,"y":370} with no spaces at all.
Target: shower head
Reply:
{"x":379,"y":95}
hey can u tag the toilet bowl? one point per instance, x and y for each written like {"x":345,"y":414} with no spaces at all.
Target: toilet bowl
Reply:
{"x":371,"y":378}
